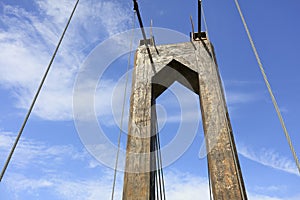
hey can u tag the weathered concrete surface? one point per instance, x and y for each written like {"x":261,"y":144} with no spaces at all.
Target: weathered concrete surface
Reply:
{"x":194,"y":67}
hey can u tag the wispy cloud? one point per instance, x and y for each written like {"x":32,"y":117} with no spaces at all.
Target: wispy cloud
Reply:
{"x":31,"y":153}
{"x":28,"y":38}
{"x":234,"y":98}
{"x":254,"y":196}
{"x":53,"y":172}
{"x":239,"y":92}
{"x":64,"y":187}
{"x":269,"y":158}
{"x":271,"y":188}
{"x":263,"y":197}
{"x":179,"y":185}
{"x":56,"y":180}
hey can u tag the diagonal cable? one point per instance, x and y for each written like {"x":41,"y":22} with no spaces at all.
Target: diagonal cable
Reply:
{"x":123,"y":110}
{"x":268,"y":86}
{"x":37,"y":94}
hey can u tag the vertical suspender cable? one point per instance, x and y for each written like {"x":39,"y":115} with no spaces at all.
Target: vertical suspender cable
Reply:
{"x":123,"y":110}
{"x":159,"y":160}
{"x":162,"y":181}
{"x":199,"y":16}
{"x":268,"y":86}
{"x":37,"y":94}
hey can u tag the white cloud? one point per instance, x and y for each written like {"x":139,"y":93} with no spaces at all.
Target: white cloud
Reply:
{"x":262,"y":197}
{"x":240,"y":97}
{"x":178,"y":185}
{"x":64,"y":187}
{"x":271,"y":188}
{"x":86,"y":190}
{"x":56,"y":179}
{"x":178,"y":104}
{"x":113,"y":20}
{"x":254,"y":196}
{"x":18,"y":182}
{"x":185,"y":186}
{"x":31,"y":153}
{"x":29,"y":39}
{"x":52,"y":171}
{"x":269,"y":158}
{"x":239,"y":92}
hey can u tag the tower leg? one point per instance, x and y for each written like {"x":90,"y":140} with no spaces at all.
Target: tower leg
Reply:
{"x":224,"y":168}
{"x":137,"y":170}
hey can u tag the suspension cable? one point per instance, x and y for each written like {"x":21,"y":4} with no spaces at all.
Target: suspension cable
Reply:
{"x":123,"y":108}
{"x":205,"y":22}
{"x":37,"y":94}
{"x":268,"y":86}
{"x":136,"y":8}
{"x":159,"y":160}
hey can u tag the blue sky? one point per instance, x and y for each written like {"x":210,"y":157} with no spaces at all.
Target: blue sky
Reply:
{"x":51,"y":162}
